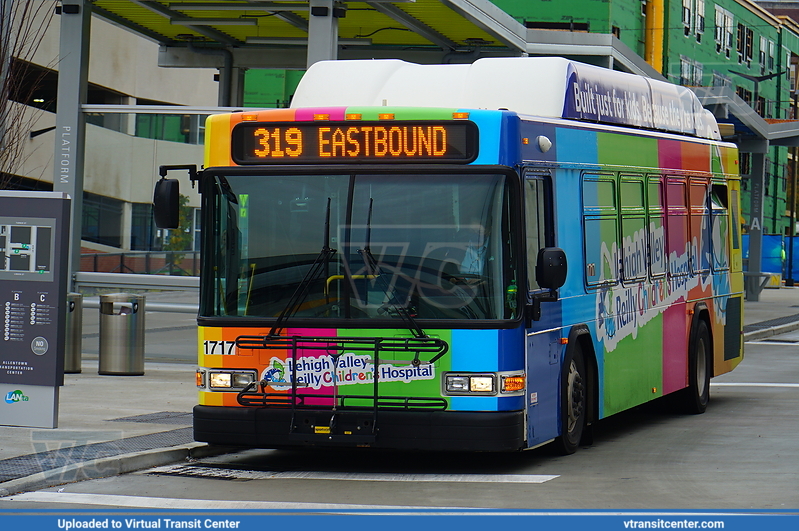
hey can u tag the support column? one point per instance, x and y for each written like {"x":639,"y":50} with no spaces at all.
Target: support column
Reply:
{"x":70,"y":133}
{"x":6,"y":19}
{"x":127,"y":226}
{"x":323,"y":31}
{"x":237,"y":87}
{"x":757,"y":180}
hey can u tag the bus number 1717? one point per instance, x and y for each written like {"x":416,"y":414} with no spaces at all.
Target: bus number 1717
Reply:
{"x":219,"y":347}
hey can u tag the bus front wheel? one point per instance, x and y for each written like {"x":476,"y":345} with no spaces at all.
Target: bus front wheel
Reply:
{"x":573,"y":401}
{"x":694,"y":398}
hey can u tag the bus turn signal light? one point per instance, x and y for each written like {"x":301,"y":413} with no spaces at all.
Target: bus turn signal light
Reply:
{"x":512,"y":383}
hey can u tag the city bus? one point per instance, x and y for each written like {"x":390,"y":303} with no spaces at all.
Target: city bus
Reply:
{"x":474,"y":257}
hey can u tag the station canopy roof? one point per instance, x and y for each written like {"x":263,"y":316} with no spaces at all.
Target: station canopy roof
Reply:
{"x":448,"y":26}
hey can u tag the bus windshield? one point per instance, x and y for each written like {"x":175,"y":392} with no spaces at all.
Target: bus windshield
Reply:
{"x":359,"y":246}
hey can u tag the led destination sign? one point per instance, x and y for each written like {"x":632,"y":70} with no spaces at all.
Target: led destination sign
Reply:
{"x":333,"y":142}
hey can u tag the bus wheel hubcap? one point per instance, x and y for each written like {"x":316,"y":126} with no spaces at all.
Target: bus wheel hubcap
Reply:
{"x":575,"y":396}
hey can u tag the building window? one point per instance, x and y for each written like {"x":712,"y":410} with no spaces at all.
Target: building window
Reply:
{"x":686,"y":16}
{"x":141,"y":232}
{"x":760,"y":106}
{"x":102,"y":220}
{"x":720,"y":80}
{"x":700,"y":19}
{"x":723,"y":32}
{"x":686,"y":71}
{"x":691,"y":72}
{"x":772,"y":51}
{"x":744,"y":94}
{"x":746,"y":37}
{"x":761,"y":55}
{"x":699,"y":74}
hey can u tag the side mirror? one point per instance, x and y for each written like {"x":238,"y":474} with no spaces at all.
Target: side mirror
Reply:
{"x":550,"y":269}
{"x":166,"y":204}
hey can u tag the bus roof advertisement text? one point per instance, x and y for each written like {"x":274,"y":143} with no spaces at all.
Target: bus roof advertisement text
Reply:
{"x":611,"y":97}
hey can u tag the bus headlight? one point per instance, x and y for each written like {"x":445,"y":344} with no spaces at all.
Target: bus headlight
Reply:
{"x":481,"y":384}
{"x":470,"y":384}
{"x":223,"y":380}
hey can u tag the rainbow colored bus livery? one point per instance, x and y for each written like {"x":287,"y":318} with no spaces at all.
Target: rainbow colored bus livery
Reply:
{"x":435,"y":257}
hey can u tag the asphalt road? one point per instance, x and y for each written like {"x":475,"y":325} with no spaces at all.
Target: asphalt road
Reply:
{"x":741,"y":454}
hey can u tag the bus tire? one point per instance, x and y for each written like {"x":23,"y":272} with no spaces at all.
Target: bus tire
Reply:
{"x":573,"y":401}
{"x":694,"y":398}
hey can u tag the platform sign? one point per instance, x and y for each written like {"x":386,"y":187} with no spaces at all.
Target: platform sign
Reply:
{"x":33,"y":293}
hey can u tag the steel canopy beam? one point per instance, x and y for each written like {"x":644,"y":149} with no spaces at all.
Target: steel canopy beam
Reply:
{"x":145,"y":32}
{"x":414,"y":25}
{"x":248,"y":5}
{"x":205,"y":31}
{"x":493,"y":20}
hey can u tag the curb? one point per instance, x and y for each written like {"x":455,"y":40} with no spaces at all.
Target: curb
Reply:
{"x":110,"y":466}
{"x":771,"y":331}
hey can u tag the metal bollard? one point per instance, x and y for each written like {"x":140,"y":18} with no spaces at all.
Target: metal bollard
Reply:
{"x":121,"y":334}
{"x":73,"y":337}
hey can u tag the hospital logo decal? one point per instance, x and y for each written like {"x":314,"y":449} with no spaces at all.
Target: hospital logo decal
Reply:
{"x":346,"y":369}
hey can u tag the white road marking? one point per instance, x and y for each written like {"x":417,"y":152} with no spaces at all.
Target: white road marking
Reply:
{"x":148,"y":502}
{"x":772,"y":342}
{"x":145,"y":502}
{"x":211,"y":472}
{"x":737,"y":384}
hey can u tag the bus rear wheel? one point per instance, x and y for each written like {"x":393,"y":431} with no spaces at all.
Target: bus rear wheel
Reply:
{"x":694,"y":398}
{"x":573,"y":402}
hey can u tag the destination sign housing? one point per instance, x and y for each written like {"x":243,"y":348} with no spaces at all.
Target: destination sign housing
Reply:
{"x":351,"y":141}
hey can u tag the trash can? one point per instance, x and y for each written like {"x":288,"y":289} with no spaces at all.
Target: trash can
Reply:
{"x":73,"y":337}
{"x":121,"y":334}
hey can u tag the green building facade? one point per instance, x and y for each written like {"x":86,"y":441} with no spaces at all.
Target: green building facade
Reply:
{"x":733,"y":43}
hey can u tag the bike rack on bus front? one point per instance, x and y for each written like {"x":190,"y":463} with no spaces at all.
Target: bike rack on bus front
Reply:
{"x":335,"y":347}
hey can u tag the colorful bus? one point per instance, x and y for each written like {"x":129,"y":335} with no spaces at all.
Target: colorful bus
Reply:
{"x":483,"y":257}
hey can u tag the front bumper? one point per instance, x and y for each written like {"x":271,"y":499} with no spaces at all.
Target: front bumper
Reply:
{"x":490,"y":431}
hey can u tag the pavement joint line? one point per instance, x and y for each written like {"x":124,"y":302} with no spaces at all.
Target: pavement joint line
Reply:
{"x":109,"y":466}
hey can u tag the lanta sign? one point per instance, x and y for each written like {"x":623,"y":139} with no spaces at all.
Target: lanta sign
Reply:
{"x":601,"y":95}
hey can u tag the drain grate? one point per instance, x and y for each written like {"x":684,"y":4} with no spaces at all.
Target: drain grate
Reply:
{"x":162,"y":417}
{"x":771,"y":323}
{"x":71,"y":453}
{"x":212,"y":472}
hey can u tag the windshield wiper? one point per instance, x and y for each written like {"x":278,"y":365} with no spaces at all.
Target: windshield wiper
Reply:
{"x":373,"y":271}
{"x":318,"y":267}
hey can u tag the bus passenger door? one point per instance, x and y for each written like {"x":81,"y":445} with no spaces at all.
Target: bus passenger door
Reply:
{"x":543,"y":319}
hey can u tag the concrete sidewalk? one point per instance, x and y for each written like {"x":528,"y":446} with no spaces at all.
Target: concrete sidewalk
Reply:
{"x":110,"y":425}
{"x":775,"y":313}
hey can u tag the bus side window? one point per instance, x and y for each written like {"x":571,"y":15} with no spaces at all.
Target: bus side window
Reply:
{"x":720,"y":235}
{"x":656,"y":230}
{"x":633,"y":228}
{"x":538,"y":221}
{"x":677,"y":227}
{"x":600,"y":217}
{"x":700,"y":226}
